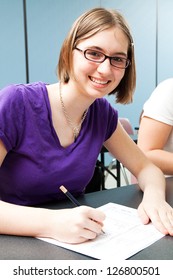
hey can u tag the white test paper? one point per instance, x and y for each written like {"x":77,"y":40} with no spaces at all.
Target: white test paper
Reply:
{"x":124,"y":235}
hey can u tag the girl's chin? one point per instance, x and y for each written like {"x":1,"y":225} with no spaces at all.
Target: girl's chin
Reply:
{"x":95,"y":94}
{"x":99,"y":91}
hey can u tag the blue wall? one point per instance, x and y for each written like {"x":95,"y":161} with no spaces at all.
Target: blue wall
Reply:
{"x":12,"y":48}
{"x":165,"y":39}
{"x":48,"y":22}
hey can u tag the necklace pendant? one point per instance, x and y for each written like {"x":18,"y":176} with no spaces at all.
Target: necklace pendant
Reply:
{"x":76,"y":130}
{"x":75,"y":133}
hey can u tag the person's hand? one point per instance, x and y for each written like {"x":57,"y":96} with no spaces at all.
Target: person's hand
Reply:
{"x":158,"y":211}
{"x":76,"y":225}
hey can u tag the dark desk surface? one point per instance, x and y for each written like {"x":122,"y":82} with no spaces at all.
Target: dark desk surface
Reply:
{"x":28,"y":248}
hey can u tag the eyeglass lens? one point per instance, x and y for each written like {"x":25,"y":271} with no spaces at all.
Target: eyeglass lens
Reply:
{"x":96,"y":56}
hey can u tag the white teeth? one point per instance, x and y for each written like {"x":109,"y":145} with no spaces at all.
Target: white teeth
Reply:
{"x":99,"y":82}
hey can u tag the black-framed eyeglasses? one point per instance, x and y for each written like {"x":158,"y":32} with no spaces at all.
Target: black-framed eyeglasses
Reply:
{"x":99,"y":57}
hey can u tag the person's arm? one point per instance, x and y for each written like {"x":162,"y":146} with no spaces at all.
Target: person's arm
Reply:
{"x":3,"y":152}
{"x":152,"y":137}
{"x":74,"y":225}
{"x":150,"y":178}
{"x":67,"y":225}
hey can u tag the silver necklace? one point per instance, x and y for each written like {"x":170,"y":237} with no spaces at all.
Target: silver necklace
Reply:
{"x":75,"y":128}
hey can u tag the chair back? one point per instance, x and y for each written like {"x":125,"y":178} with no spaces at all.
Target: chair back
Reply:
{"x":127,"y":125}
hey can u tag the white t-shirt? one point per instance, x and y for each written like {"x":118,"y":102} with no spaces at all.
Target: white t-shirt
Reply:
{"x":159,"y":106}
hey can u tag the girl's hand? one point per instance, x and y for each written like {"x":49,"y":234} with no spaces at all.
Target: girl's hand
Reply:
{"x":158,"y":211}
{"x":75,"y":225}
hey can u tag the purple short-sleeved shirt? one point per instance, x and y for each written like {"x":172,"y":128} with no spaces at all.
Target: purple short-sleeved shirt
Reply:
{"x":36,"y":164}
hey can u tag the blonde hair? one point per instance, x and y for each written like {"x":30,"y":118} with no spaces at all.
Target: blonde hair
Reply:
{"x":87,"y":25}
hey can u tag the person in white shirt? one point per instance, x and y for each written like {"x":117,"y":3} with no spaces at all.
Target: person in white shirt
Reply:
{"x":155,"y":136}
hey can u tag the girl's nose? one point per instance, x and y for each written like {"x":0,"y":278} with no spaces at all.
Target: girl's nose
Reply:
{"x":104,"y":66}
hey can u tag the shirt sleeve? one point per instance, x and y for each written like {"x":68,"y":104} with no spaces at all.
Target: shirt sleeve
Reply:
{"x":11,"y":116}
{"x":160,"y":103}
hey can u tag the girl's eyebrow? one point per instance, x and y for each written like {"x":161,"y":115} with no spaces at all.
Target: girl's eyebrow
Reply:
{"x":101,"y":50}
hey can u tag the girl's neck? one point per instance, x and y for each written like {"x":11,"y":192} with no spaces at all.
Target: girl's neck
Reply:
{"x":74,"y":101}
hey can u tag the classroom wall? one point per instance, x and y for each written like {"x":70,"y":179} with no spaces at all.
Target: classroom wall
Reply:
{"x":48,"y":22}
{"x":12,"y":48}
